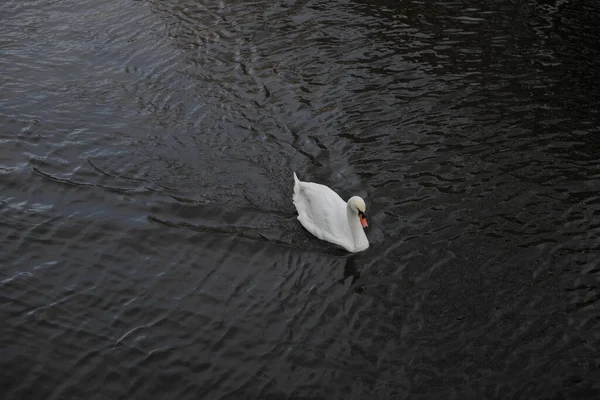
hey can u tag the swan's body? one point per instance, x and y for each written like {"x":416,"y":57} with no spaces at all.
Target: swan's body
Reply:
{"x":324,"y":214}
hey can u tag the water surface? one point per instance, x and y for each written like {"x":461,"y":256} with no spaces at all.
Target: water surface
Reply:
{"x":148,"y":242}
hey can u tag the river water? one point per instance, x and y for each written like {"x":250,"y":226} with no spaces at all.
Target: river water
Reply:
{"x":148,"y":241}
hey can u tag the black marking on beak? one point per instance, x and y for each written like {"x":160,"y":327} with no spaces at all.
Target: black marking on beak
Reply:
{"x":363,"y":219}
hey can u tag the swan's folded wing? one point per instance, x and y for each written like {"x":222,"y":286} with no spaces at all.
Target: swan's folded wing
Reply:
{"x":322,"y":212}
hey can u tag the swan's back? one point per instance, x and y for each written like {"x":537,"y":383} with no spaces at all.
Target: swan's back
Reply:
{"x":321,"y":211}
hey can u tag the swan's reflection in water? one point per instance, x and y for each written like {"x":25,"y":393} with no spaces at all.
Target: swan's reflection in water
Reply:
{"x":351,"y":271}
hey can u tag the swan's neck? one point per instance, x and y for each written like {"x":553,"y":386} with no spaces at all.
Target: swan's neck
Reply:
{"x":359,"y":238}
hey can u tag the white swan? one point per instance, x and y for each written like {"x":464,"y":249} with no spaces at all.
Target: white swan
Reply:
{"x":324,"y":214}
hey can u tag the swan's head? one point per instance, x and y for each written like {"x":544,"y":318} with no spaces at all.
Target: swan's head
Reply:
{"x":357,"y":205}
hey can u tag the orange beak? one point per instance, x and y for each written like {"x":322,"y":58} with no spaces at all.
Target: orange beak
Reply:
{"x":363,"y":220}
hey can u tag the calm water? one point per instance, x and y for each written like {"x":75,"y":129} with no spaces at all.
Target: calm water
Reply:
{"x":148,"y":242}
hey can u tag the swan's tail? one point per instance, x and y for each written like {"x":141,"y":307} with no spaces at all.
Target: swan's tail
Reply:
{"x":296,"y":189}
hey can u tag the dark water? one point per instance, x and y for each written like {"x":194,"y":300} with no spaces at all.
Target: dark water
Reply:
{"x":149,"y":247}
